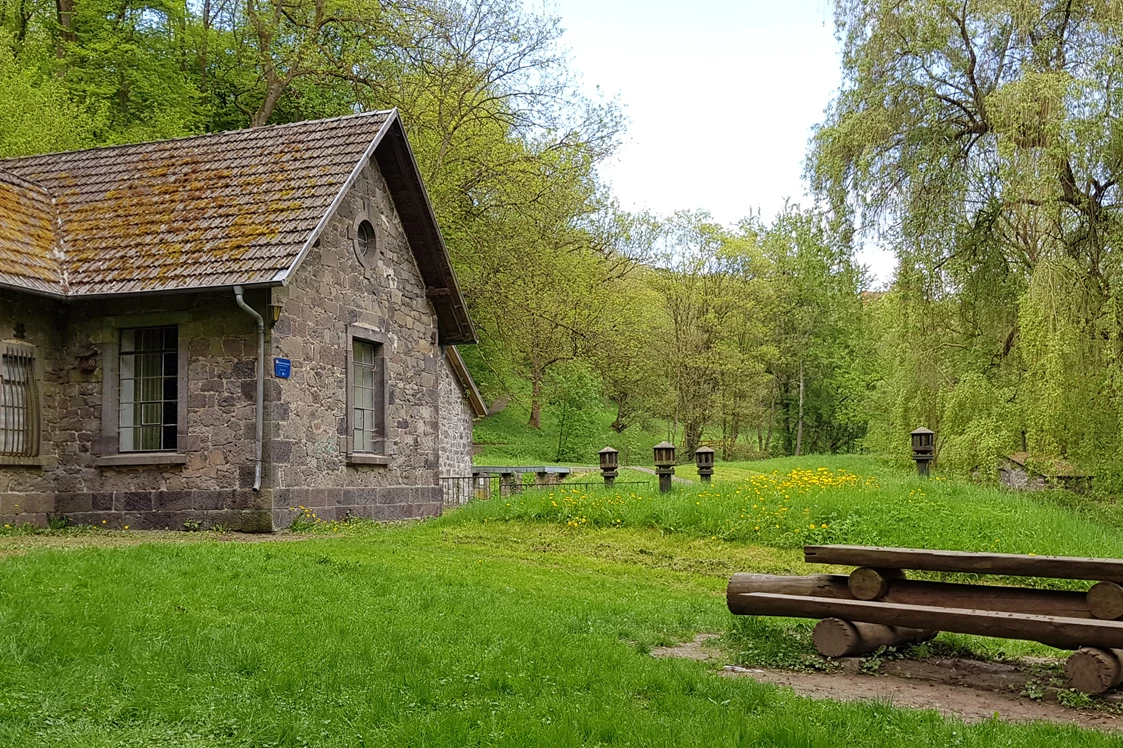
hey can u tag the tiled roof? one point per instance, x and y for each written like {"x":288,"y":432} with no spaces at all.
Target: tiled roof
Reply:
{"x":213,"y":210}
{"x":27,"y":236}
{"x":234,"y":208}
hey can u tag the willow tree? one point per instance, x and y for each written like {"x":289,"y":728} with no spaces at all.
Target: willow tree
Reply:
{"x":980,"y":140}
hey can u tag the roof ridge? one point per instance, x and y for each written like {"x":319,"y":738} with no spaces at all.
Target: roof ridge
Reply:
{"x":40,"y":193}
{"x":200,"y":136}
{"x":27,"y":184}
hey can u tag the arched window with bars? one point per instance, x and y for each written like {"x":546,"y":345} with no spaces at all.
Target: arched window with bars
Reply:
{"x":19,"y":401}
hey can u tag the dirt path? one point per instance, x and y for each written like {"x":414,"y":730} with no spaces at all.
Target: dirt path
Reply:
{"x":15,"y":545}
{"x":968,"y":689}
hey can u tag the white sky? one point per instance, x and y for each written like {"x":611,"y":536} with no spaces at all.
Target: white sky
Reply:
{"x":737,"y":85}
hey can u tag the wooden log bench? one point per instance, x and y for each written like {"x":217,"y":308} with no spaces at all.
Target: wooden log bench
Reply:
{"x":877,"y":605}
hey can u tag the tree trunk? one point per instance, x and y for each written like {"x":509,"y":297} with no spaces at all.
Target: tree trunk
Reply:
{"x":799,"y":429}
{"x":692,"y":438}
{"x":731,"y":443}
{"x":273,"y":90}
{"x":618,"y":425}
{"x":771,"y":420}
{"x":65,"y":10}
{"x":536,"y":398}
{"x":206,"y":21}
{"x":562,"y":435}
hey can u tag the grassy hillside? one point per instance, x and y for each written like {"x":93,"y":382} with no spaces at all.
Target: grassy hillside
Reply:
{"x":508,"y":440}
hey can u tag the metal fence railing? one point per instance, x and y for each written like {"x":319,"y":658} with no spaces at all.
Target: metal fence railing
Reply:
{"x":458,"y":490}
{"x":600,"y":484}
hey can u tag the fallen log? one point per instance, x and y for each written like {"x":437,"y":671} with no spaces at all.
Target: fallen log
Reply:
{"x":1094,"y":670}
{"x":1011,"y":564}
{"x":1055,"y":631}
{"x":915,"y":592}
{"x":835,"y":637}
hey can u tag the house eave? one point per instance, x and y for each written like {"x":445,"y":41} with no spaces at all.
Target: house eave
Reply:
{"x":460,"y":369}
{"x":75,"y":297}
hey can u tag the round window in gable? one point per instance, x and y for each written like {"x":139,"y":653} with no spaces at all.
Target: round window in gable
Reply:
{"x":365,"y":242}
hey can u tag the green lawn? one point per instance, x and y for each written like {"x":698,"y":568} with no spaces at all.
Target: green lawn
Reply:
{"x":494,"y":625}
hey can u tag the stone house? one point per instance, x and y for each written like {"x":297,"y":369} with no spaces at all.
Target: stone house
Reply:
{"x":217,"y":329}
{"x":1022,"y":472}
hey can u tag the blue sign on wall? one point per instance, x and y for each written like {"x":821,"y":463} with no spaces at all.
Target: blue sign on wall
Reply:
{"x":282,"y":368}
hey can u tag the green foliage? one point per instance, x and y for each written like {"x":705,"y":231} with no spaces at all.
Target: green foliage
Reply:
{"x":36,"y":113}
{"x":507,"y":439}
{"x":572,"y":396}
{"x":58,"y":521}
{"x":973,"y":140}
{"x":765,"y":334}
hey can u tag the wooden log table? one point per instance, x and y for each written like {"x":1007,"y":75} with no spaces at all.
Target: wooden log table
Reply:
{"x":877,"y":605}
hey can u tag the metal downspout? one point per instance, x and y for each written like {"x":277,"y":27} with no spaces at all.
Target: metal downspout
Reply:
{"x":260,"y":383}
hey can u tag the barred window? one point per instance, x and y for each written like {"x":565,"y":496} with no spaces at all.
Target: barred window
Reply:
{"x":368,"y":397}
{"x":19,"y":402}
{"x":149,"y":389}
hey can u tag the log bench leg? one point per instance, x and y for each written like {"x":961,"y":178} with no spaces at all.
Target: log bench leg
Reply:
{"x":872,"y":584}
{"x":1105,"y":600}
{"x":1093,"y":670}
{"x":835,"y":637}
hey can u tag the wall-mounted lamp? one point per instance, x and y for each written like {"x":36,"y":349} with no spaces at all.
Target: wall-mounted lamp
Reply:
{"x":274,"y":314}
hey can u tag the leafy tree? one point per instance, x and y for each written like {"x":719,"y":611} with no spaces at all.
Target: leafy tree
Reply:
{"x":574,"y":399}
{"x":980,"y":140}
{"x":36,"y":113}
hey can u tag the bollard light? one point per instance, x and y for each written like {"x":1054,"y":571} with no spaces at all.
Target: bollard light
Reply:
{"x":664,"y":465}
{"x":704,"y":458}
{"x":923,"y":449}
{"x":609,"y":461}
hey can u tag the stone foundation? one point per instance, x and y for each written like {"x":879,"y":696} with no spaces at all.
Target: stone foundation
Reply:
{"x":239,"y":509}
{"x":381,"y":504}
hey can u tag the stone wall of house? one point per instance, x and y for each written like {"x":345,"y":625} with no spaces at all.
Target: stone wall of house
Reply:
{"x":456,"y":425}
{"x":25,"y":489}
{"x":307,"y":419}
{"x":211,"y":487}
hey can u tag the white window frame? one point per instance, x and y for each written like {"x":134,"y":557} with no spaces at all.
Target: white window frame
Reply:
{"x":382,"y":451}
{"x":108,"y":446}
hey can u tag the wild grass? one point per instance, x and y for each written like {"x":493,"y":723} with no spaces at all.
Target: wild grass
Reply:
{"x":788,"y":503}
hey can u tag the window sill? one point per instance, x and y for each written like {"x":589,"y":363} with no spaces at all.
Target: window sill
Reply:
{"x":23,"y":461}
{"x":140,"y":459}
{"x":368,"y":459}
